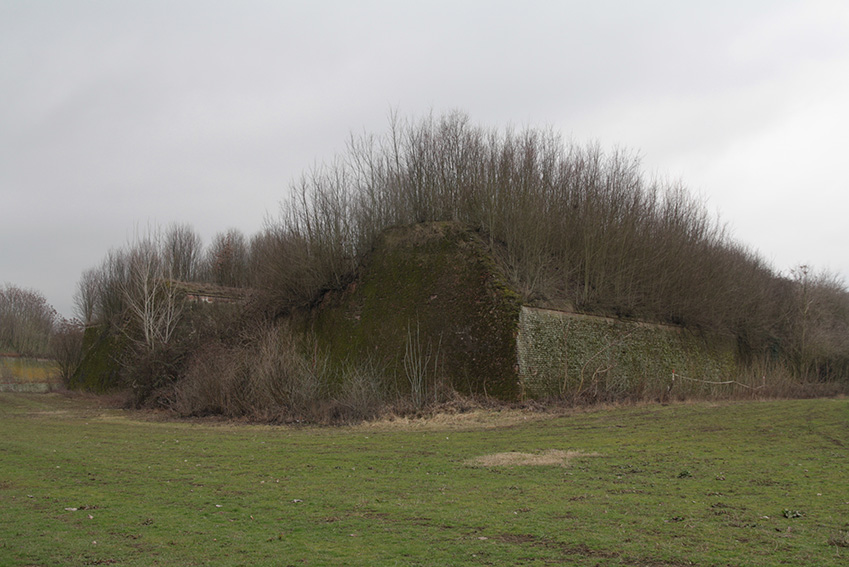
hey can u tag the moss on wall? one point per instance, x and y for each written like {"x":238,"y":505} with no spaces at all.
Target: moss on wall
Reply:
{"x":577,"y":355}
{"x":440,"y":279}
{"x":98,"y":370}
{"x":435,"y":280}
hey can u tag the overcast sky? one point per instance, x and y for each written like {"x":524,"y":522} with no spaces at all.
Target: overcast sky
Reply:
{"x":119,"y":115}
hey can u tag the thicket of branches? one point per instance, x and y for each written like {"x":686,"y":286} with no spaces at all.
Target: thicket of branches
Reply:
{"x":572,"y":224}
{"x":26,"y":322}
{"x":575,"y":225}
{"x":135,"y":296}
{"x":569,"y":222}
{"x":31,"y":327}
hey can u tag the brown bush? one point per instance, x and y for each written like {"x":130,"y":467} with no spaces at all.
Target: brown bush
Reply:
{"x":66,"y":347}
{"x":272,"y":375}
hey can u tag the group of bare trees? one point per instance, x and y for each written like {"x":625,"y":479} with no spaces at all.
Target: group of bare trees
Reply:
{"x":30,"y":327}
{"x":569,"y":223}
{"x":134,"y":281}
{"x":135,"y":294}
{"x":819,"y":324}
{"x":26,"y":321}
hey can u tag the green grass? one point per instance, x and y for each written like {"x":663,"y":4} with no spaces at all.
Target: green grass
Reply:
{"x":754,"y":483}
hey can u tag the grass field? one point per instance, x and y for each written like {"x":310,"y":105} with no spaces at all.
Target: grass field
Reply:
{"x":754,"y":483}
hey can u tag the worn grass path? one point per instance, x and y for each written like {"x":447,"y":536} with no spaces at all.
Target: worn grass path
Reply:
{"x":754,"y":483}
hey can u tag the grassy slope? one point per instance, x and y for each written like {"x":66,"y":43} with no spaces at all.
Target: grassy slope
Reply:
{"x":701,"y":483}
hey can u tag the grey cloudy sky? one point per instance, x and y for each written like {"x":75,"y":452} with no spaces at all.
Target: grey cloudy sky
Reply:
{"x":116,"y":115}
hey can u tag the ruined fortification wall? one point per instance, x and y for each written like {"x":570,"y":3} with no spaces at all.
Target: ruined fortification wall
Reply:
{"x":439,"y":280}
{"x":436,"y":284}
{"x":602,"y":358}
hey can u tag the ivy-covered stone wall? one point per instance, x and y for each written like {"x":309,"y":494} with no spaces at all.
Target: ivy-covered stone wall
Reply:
{"x":567,"y":354}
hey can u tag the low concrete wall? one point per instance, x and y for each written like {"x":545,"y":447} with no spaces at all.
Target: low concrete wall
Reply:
{"x":563,"y":353}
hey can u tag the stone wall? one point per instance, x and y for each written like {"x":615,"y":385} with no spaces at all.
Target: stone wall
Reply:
{"x":440,"y":281}
{"x":602,"y":358}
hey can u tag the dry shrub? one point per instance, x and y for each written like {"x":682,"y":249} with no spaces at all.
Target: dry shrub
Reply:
{"x":203,"y":390}
{"x":273,"y":375}
{"x":66,"y":346}
{"x":362,"y":393}
{"x":767,"y":377}
{"x":265,"y":377}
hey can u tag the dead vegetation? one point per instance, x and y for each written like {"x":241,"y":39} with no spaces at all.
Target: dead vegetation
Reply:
{"x":548,"y":458}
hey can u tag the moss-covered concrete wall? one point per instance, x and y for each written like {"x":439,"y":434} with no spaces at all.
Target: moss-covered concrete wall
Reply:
{"x":437,"y":284}
{"x":436,"y":280}
{"x":569,"y":354}
{"x":98,"y":370}
{"x":441,"y":279}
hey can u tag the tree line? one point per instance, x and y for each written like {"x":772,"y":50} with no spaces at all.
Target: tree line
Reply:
{"x":31,"y":327}
{"x":572,"y":225}
{"x":26,"y":321}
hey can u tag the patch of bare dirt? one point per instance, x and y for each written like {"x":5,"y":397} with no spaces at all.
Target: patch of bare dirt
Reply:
{"x":552,"y":457}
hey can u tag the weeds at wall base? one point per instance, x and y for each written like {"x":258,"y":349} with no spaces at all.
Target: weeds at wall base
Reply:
{"x":277,"y":378}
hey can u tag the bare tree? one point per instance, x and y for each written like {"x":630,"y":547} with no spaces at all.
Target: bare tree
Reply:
{"x":112,"y":278}
{"x":182,"y":252}
{"x":151,"y":298}
{"x":26,"y":321}
{"x":86,"y":296}
{"x":820,"y":333}
{"x":67,"y":347}
{"x":227,"y":262}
